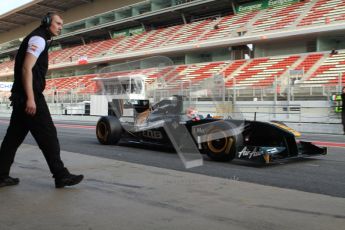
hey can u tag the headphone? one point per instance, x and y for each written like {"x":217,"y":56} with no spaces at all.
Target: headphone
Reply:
{"x":47,"y":20}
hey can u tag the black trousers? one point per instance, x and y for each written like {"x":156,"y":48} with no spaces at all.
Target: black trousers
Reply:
{"x":42,"y":129}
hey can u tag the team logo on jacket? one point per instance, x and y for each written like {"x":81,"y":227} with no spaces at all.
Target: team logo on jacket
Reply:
{"x":33,"y":47}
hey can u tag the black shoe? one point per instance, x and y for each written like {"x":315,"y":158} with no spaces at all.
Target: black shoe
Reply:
{"x":68,"y":180}
{"x":8,"y":181}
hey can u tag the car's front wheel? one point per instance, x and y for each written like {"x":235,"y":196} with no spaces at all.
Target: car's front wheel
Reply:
{"x":219,"y":146}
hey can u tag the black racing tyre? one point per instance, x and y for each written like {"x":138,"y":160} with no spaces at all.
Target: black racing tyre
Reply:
{"x":220,"y":149}
{"x":108,"y":130}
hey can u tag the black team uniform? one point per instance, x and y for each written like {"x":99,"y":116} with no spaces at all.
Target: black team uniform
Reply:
{"x":40,"y":125}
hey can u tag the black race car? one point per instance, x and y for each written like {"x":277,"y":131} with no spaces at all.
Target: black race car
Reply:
{"x":166,"y":123}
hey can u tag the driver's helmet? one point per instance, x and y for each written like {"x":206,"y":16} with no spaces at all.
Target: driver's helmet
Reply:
{"x":192,"y":114}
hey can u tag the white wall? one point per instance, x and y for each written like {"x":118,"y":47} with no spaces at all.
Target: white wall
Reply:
{"x":280,"y":48}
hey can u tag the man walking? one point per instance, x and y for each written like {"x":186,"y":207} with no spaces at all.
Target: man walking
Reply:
{"x":30,"y":110}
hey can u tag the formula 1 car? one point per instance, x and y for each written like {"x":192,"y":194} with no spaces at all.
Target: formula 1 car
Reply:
{"x":220,"y":139}
{"x":158,"y":106}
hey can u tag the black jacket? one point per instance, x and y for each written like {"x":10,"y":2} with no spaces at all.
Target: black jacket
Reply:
{"x":343,"y":104}
{"x":38,"y":71}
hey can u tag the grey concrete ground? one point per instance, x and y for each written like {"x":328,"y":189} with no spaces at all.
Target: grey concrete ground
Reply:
{"x":121,"y":195}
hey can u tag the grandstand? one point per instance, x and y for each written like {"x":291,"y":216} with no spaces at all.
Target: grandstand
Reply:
{"x":254,"y":45}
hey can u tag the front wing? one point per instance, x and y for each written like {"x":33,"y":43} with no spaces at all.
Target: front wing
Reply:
{"x":274,"y":154}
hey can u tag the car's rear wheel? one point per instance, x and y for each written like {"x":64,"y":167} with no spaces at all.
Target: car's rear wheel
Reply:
{"x":219,"y":146}
{"x":108,"y":130}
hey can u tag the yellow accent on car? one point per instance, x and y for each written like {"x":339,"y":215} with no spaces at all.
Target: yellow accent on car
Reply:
{"x":294,"y":132}
{"x":266,"y":158}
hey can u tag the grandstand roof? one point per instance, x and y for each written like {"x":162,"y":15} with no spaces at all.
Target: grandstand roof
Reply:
{"x":34,"y":11}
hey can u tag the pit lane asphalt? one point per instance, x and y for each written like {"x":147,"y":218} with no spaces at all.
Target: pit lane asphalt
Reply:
{"x":321,"y":174}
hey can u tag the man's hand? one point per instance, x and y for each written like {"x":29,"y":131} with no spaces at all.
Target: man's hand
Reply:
{"x":30,"y":108}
